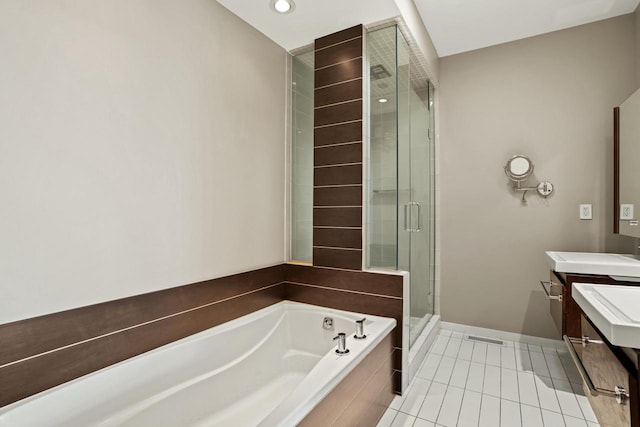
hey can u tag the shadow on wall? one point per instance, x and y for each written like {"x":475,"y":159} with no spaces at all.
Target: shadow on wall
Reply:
{"x":532,"y":324}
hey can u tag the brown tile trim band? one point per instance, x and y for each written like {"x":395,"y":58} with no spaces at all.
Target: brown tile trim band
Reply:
{"x":343,"y":290}
{"x":340,"y":36}
{"x":390,"y":285}
{"x":32,"y":376}
{"x":41,"y":334}
{"x":150,"y":322}
{"x":338,"y":43}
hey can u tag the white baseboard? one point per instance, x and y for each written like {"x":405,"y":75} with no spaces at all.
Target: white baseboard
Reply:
{"x":502,"y":335}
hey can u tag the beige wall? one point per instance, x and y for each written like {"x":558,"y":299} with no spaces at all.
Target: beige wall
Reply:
{"x":141,"y":147}
{"x":637,"y":22}
{"x":549,"y":97}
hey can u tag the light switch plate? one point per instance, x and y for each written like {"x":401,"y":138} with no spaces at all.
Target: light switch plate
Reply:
{"x":626,"y":211}
{"x":586,"y":211}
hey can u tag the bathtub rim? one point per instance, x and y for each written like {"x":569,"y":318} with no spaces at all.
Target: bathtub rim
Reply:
{"x":305,"y":406}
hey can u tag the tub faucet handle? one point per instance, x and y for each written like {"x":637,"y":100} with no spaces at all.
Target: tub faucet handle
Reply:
{"x":342,"y":343}
{"x":360,"y":329}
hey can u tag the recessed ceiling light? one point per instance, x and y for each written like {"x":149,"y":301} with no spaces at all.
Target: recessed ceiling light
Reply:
{"x":382,"y":100}
{"x":283,"y":6}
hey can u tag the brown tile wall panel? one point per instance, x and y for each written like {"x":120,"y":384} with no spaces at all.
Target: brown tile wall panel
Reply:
{"x":26,"y":378}
{"x":372,"y":401}
{"x":344,"y":51}
{"x":338,"y":217}
{"x":338,"y":79}
{"x":338,"y":175}
{"x":338,"y":37}
{"x":361,"y":397}
{"x":350,"y":301}
{"x":28,"y":337}
{"x":345,"y":132}
{"x":337,"y":154}
{"x":337,"y":113}
{"x":357,"y":281}
{"x":338,"y":237}
{"x":338,"y":93}
{"x":357,"y":302}
{"x":338,"y":258}
{"x":338,"y":196}
{"x":338,"y":73}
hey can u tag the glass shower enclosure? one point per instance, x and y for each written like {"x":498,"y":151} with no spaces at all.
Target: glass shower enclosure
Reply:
{"x":400,"y":210}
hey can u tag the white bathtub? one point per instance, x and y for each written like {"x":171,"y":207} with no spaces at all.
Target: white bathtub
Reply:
{"x":268,"y":368}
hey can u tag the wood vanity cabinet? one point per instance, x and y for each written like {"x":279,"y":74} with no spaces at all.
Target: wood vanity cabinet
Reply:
{"x":607,"y":367}
{"x":565,"y":311}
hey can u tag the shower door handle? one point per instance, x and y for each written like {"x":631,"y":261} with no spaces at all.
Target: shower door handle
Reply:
{"x":407,"y":207}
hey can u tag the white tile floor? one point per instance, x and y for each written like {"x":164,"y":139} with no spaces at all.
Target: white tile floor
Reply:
{"x":475,"y":384}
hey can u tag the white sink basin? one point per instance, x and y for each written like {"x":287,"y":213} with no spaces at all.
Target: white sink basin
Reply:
{"x":594,"y":263}
{"x":615,"y":310}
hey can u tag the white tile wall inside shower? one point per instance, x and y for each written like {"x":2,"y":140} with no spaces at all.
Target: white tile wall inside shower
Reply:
{"x":468,"y":383}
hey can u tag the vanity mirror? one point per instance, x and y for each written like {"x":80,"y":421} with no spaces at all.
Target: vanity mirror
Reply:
{"x":519,"y":168}
{"x":627,"y":160}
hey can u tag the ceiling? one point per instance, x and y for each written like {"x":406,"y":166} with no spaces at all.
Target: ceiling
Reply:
{"x":311,"y":19}
{"x":455,"y":26}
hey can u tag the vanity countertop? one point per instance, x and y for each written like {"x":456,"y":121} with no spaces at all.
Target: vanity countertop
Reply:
{"x":614,"y":310}
{"x":594,"y":263}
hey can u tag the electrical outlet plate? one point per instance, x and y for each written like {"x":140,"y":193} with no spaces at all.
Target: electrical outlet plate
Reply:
{"x":626,"y":211}
{"x":586,"y":211}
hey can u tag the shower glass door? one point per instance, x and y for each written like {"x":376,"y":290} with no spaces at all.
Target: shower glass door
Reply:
{"x":401,"y":209}
{"x":415,"y":171}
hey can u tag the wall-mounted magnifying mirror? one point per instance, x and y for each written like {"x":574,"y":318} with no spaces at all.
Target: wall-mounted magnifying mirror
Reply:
{"x":519,"y":168}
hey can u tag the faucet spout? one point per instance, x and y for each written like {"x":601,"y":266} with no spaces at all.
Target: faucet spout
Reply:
{"x":342,"y":343}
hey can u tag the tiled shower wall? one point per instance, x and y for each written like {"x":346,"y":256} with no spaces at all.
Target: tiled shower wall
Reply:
{"x":337,"y":194}
{"x":302,"y":157}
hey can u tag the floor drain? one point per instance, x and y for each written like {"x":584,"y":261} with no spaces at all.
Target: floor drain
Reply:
{"x":483,"y":339}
